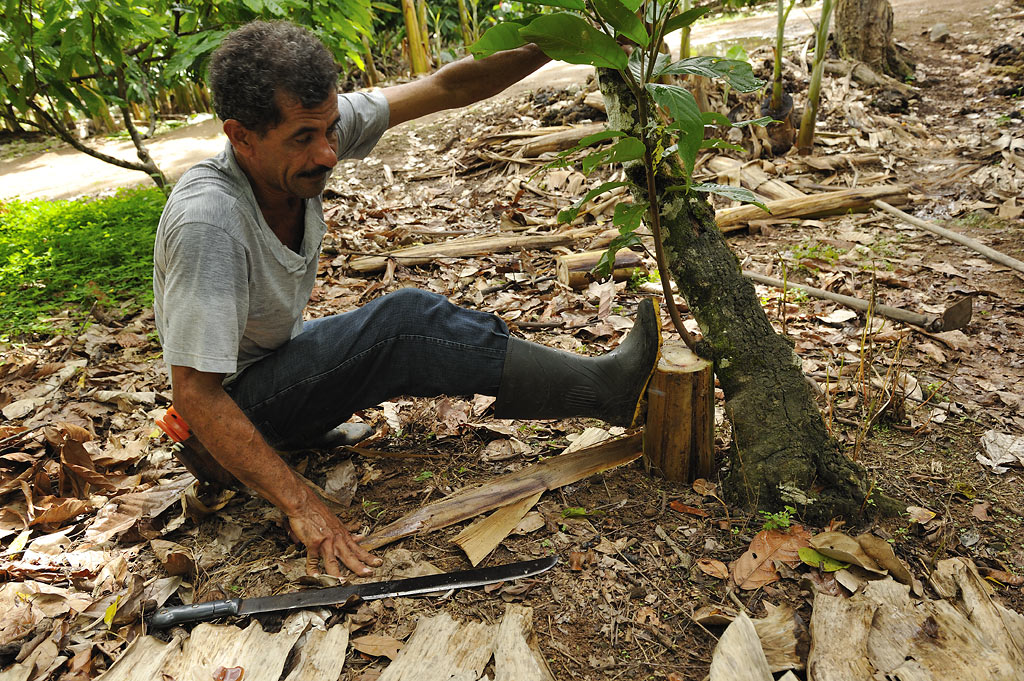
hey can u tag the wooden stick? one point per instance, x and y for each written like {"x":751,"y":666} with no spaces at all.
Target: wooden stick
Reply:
{"x":574,"y":269}
{"x":990,"y":253}
{"x":929,"y":322}
{"x":815,"y":205}
{"x":552,"y":473}
{"x":557,"y":141}
{"x":484,"y":245}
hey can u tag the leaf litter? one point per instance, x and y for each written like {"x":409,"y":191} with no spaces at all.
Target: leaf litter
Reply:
{"x":94,"y":519}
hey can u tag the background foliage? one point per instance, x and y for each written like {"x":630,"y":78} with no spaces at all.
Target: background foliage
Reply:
{"x":60,"y":254}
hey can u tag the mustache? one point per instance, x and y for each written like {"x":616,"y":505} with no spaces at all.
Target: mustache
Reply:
{"x":319,"y":171}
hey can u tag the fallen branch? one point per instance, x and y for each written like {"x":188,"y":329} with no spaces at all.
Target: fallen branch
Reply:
{"x":456,"y":248}
{"x":955,"y":316}
{"x":557,"y":141}
{"x":832,"y":162}
{"x":815,"y":205}
{"x":548,"y":474}
{"x":977,"y":246}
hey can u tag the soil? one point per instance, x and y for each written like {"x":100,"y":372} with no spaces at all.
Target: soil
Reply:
{"x":620,"y":605}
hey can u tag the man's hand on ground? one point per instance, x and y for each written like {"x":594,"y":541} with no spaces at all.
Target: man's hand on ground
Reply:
{"x":328,"y":542}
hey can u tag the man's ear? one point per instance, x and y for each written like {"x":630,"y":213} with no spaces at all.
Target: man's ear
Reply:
{"x":241,"y":137}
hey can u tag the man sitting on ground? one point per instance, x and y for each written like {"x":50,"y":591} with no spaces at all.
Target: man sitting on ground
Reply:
{"x":235,"y":261}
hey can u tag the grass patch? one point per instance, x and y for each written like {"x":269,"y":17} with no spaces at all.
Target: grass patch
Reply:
{"x":56,"y":255}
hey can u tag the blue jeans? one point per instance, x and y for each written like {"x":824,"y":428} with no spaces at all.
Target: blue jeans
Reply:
{"x":409,"y":342}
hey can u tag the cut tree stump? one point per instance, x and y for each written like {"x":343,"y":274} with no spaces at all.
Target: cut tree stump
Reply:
{"x":679,"y":439}
{"x":575,"y":269}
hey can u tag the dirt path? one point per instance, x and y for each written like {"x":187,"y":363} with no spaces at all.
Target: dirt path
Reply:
{"x":65,"y":173}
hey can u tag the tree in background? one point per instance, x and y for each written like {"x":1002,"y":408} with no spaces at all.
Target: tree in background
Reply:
{"x":864,"y":33}
{"x":65,"y":59}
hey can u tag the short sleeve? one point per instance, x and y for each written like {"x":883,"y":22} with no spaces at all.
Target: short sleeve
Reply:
{"x":204,"y":299}
{"x":363,"y":118}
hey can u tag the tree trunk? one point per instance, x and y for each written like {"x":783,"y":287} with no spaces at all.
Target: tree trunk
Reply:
{"x":781,"y":453}
{"x":864,"y":33}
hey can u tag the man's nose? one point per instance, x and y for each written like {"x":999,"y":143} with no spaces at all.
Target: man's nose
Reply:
{"x":325,"y":153}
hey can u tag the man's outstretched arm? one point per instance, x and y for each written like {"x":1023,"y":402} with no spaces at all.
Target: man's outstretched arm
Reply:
{"x":236,"y":444}
{"x":462,"y":83}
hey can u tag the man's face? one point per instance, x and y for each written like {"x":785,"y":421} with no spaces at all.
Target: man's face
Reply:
{"x":295,"y":158}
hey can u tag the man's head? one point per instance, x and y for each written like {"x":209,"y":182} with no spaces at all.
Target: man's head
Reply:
{"x":274,"y":86}
{"x":261,"y":60}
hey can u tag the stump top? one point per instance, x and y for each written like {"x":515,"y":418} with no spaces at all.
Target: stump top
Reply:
{"x":676,"y":358}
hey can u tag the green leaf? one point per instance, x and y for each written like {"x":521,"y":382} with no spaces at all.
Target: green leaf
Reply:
{"x":626,"y":149}
{"x":764,"y":120}
{"x":498,"y":38}
{"x":571,"y":213}
{"x":574,"y":512}
{"x":685,"y":117}
{"x":604,"y":266}
{"x":737,"y":73}
{"x":719,"y":143}
{"x":728,"y":191}
{"x":686,"y":18}
{"x":577,"y":5}
{"x":820,"y":560}
{"x":638,"y":64}
{"x":571,"y":39}
{"x":623,"y":20}
{"x":385,"y":7}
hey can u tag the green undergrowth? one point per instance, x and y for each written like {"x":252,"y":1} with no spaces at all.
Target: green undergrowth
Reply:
{"x":67,"y":255}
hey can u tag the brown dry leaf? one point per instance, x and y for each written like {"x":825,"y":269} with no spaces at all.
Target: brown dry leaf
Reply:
{"x":121,"y":513}
{"x":176,"y":559}
{"x":579,"y":559}
{"x":845,"y":548}
{"x":56,"y":510}
{"x":756,"y":567}
{"x":920,"y":515}
{"x":713,"y":615}
{"x":882,"y":553}
{"x":980,"y":511}
{"x":680,"y":507}
{"x":704,"y":488}
{"x":1001,"y":576}
{"x":715,"y":568}
{"x":377,"y":645}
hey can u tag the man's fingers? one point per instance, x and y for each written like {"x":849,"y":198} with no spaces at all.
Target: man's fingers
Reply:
{"x":363,"y":554}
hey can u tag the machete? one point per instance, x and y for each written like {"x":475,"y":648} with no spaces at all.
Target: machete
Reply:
{"x":199,"y":612}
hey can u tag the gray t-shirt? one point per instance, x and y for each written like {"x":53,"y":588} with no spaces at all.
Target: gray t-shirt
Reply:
{"x":227,"y":292}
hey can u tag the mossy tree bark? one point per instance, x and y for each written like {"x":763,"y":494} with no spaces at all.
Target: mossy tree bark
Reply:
{"x":864,"y":33}
{"x":781,"y":453}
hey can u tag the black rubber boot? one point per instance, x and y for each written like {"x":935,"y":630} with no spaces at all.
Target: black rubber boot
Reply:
{"x":543,"y":383}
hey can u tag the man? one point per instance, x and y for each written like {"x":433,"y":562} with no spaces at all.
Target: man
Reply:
{"x":235,"y":261}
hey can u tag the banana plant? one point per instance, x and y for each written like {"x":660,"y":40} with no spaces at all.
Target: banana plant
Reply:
{"x":672,"y":126}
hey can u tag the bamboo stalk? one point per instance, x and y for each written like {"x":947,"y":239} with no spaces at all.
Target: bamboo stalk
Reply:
{"x":990,"y":253}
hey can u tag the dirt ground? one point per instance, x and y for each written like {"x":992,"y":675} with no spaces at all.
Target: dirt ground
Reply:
{"x":913,"y":406}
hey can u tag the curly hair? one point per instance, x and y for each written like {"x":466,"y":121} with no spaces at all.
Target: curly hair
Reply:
{"x":260,"y":59}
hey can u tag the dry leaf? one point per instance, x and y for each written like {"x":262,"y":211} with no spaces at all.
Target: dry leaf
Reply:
{"x":980,"y":511}
{"x":715,"y":568}
{"x":920,"y":515}
{"x":839,"y":546}
{"x":229,"y":674}
{"x":756,"y":567}
{"x":704,"y":488}
{"x":377,"y":645}
{"x":1001,"y":576}
{"x":882,"y":553}
{"x":680,"y":507}
{"x":176,"y":559}
{"x":713,"y":615}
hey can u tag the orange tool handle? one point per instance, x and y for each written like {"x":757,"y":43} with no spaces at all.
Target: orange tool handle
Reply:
{"x":174,"y":426}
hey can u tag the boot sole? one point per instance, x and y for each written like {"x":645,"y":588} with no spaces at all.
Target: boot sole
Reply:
{"x":641,"y":403}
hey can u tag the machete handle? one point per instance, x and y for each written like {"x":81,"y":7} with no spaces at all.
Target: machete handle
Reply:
{"x":197,"y":612}
{"x":175,"y":426}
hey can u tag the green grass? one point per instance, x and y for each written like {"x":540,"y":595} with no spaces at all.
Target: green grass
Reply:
{"x":66,"y":255}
